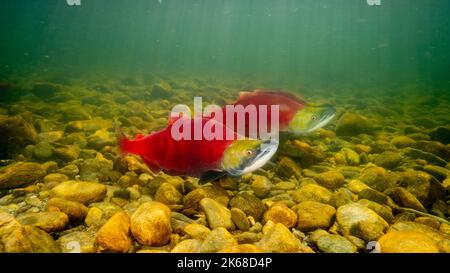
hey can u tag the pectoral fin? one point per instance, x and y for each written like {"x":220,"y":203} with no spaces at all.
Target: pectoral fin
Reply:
{"x":211,"y":176}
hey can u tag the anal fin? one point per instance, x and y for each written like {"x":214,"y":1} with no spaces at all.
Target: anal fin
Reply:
{"x":153,"y":167}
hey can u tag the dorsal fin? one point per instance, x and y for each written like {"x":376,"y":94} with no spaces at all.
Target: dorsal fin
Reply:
{"x":245,"y":95}
{"x":172,"y":119}
{"x":138,"y":136}
{"x":283,"y":93}
{"x":248,"y":94}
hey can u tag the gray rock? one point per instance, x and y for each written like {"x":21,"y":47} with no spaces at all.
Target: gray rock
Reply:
{"x":357,"y":220}
{"x":335,"y":244}
{"x":47,"y":221}
{"x":216,"y":240}
{"x":216,"y":214}
{"x":77,"y":242}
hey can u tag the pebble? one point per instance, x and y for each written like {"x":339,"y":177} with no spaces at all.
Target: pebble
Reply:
{"x":193,"y":198}
{"x":277,"y":239}
{"x":335,"y":244}
{"x":356,"y":186}
{"x":55,"y":178}
{"x":20,"y":174}
{"x":288,"y":168}
{"x":373,"y":195}
{"x":249,"y":204}
{"x":403,"y":142}
{"x":439,"y":172}
{"x":18,"y":238}
{"x":330,"y":179}
{"x":240,"y":219}
{"x":382,"y":210}
{"x":80,"y":191}
{"x":150,"y":224}
{"x":357,"y":220}
{"x":74,"y":210}
{"x":429,"y":157}
{"x":187,"y":246}
{"x":77,"y":242}
{"x":280,"y":213}
{"x":351,"y":157}
{"x":67,"y":153}
{"x":388,"y":159}
{"x":423,"y":186}
{"x":406,"y":199}
{"x":341,"y":197}
{"x":114,"y":235}
{"x":196,"y":231}
{"x":248,"y":237}
{"x":216,"y":240}
{"x":94,"y":217}
{"x":431,"y":222}
{"x":261,"y":186}
{"x":350,"y":124}
{"x":314,"y":215}
{"x":216,"y":214}
{"x":47,"y":221}
{"x":441,"y":240}
{"x":42,"y":151}
{"x":407,"y":242}
{"x":311,"y":192}
{"x":168,"y":194}
{"x":70,"y":170}
{"x":377,"y":178}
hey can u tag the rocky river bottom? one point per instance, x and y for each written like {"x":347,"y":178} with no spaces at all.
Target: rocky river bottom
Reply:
{"x":376,"y":179}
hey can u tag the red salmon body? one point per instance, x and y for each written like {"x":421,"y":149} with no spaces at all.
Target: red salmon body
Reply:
{"x":160,"y":150}
{"x":287,"y":103}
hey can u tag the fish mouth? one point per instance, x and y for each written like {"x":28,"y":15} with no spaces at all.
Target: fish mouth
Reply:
{"x":327,"y":114}
{"x":265,"y":152}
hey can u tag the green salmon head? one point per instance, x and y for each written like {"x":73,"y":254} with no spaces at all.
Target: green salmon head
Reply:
{"x":311,"y":118}
{"x":247,"y":155}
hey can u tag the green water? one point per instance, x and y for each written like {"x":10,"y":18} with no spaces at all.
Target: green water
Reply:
{"x":329,"y":44}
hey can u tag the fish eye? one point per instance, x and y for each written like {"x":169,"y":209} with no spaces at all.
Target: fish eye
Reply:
{"x":249,"y":152}
{"x":314,"y":117}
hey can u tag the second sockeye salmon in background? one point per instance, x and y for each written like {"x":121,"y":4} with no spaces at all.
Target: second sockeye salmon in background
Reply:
{"x":295,"y":115}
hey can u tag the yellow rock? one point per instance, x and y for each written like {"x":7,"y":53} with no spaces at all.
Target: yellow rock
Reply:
{"x":94,"y":217}
{"x":445,"y":228}
{"x":80,"y":191}
{"x":312,"y":192}
{"x":278,"y":239}
{"x":114,"y":235}
{"x":407,"y":242}
{"x":244,"y":248}
{"x":356,"y":186}
{"x":75,"y":210}
{"x":197,"y":231}
{"x":187,"y":246}
{"x":280,"y":213}
{"x":314,"y":215}
{"x":151,"y":224}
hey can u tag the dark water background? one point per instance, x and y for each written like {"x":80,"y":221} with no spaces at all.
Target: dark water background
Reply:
{"x":321,"y":43}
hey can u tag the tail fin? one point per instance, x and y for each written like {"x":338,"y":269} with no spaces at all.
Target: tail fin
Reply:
{"x":122,"y":140}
